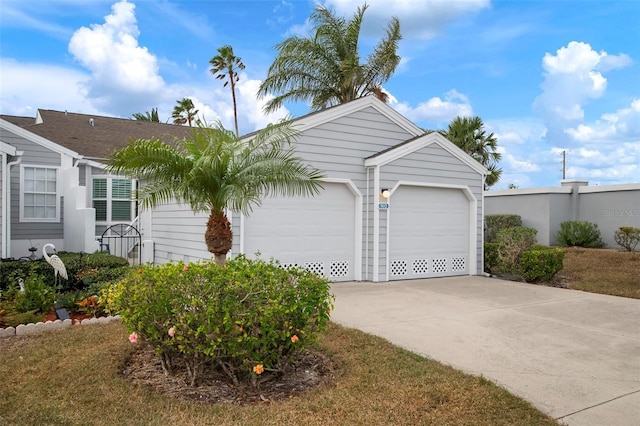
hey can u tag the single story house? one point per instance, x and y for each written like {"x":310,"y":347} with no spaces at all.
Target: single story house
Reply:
{"x":397,"y":202}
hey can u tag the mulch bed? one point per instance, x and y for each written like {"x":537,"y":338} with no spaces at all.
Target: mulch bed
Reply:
{"x":310,"y":369}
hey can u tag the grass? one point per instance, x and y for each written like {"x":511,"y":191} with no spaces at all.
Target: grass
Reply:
{"x":603,"y":271}
{"x":72,"y":377}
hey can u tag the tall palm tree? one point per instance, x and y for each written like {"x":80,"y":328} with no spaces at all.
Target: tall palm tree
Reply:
{"x":184,"y":112}
{"x":147,"y":116}
{"x":214,"y":170}
{"x":325,"y":69}
{"x":224,"y":66}
{"x":468,"y":134}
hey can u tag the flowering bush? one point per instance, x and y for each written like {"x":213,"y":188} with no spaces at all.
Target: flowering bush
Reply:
{"x":246,"y":318}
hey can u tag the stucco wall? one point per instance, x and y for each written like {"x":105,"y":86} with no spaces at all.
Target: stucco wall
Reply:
{"x":609,"y":207}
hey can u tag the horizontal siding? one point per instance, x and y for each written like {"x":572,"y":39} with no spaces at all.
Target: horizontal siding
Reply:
{"x":178,"y":234}
{"x":34,"y":155}
{"x":2,"y":254}
{"x":434,"y":164}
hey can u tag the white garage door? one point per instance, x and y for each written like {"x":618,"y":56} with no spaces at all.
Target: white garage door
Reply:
{"x":316,"y":233}
{"x":429,"y":233}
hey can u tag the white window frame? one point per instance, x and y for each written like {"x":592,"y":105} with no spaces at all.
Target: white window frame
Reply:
{"x":22,"y":193}
{"x":110,"y":199}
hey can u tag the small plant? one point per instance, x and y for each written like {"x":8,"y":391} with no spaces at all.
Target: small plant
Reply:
{"x":512,"y":242}
{"x":579,"y":234}
{"x":541,"y":265}
{"x":491,"y":259}
{"x":627,"y":237}
{"x":494,"y":223}
{"x":37,"y":296}
{"x":246,"y":319}
{"x":90,"y":306}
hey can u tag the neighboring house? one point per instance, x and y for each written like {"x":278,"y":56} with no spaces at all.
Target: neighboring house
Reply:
{"x":397,"y":203}
{"x":55,"y":189}
{"x":608,"y":206}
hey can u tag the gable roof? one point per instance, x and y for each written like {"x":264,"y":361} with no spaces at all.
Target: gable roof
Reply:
{"x":98,"y":141}
{"x":20,"y":131}
{"x":5,"y":148}
{"x":317,"y":118}
{"x":407,"y":147}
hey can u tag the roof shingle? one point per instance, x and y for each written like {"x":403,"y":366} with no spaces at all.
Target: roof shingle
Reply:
{"x":98,"y":141}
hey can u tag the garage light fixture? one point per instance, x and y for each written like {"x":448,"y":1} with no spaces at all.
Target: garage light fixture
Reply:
{"x":385,"y":193}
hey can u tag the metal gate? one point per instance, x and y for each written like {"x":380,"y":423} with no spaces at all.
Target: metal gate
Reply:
{"x":124,"y":240}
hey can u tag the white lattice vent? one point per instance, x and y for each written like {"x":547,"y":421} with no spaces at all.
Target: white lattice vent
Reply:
{"x":315,"y":267}
{"x":439,"y":265}
{"x":288,"y":265}
{"x":420,"y":266}
{"x":398,"y":267}
{"x":458,"y":264}
{"x":339,"y":268}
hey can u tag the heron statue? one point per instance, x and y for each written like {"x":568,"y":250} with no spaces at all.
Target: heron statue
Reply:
{"x":55,"y":262}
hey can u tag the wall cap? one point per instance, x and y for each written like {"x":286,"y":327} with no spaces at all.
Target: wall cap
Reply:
{"x":528,"y":191}
{"x":610,"y":188}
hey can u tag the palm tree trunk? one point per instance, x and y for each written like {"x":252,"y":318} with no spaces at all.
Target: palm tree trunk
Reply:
{"x":235,"y":109}
{"x":218,"y":236}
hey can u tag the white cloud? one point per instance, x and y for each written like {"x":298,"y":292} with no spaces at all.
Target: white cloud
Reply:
{"x":123,"y":74}
{"x":511,"y":163}
{"x":418,"y":19}
{"x":516,"y":131}
{"x":571,"y":77}
{"x":436,"y":110}
{"x":27,"y":87}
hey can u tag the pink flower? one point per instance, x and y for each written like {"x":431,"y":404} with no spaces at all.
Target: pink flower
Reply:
{"x":172,"y":331}
{"x":139,"y":271}
{"x":133,"y":337}
{"x":294,"y":338}
{"x":186,"y":268}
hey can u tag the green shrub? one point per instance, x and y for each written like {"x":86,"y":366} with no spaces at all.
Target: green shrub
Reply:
{"x":579,"y":234}
{"x":240,"y":318}
{"x":83,"y":269}
{"x":491,"y":257}
{"x":512,"y":243}
{"x":494,"y":223}
{"x":627,"y":237}
{"x":14,"y":319}
{"x":37,"y":296}
{"x":541,"y":265}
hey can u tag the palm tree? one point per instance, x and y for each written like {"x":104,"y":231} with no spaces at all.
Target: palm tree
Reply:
{"x":223,"y":66}
{"x":147,"y":116}
{"x":468,"y":134}
{"x":214,"y":170}
{"x":184,"y":112}
{"x":325,"y":69}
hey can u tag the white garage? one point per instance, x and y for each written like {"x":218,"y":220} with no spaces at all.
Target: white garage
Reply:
{"x":430,"y":226}
{"x":428,"y":232}
{"x":317,"y":233}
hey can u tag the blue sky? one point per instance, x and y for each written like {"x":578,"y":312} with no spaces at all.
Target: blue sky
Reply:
{"x":545,"y":76}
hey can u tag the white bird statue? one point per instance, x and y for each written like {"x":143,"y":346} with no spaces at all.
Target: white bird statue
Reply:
{"x":55,"y":262}
{"x":21,"y":284}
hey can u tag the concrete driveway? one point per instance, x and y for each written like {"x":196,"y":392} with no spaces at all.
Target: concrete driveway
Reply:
{"x":574,"y":355}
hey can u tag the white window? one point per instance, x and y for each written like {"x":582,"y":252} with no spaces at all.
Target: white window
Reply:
{"x":112,"y":199}
{"x":39,"y":197}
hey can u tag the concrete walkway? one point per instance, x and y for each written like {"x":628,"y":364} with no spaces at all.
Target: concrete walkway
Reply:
{"x":574,"y":355}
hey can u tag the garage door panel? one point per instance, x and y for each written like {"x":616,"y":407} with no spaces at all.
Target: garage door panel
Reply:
{"x":313,"y":232}
{"x":429,"y":233}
